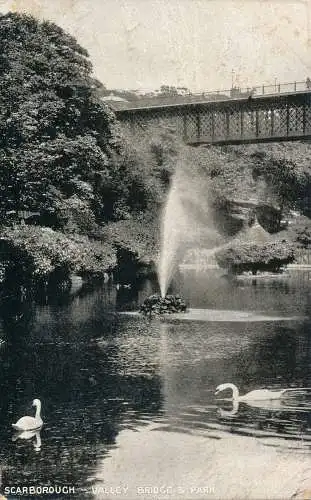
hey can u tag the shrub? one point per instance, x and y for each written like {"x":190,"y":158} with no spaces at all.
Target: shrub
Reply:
{"x":252,"y":257}
{"x":36,"y":253}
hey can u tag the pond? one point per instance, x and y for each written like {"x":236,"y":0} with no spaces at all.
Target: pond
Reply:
{"x":128,"y":403}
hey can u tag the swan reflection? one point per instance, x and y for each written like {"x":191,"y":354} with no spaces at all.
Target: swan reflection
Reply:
{"x":269,"y":405}
{"x":229,"y":413}
{"x":30,"y":435}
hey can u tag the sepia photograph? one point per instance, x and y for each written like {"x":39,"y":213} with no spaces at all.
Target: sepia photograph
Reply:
{"x":155,"y":249}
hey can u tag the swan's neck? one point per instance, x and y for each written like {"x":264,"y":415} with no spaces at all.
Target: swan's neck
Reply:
{"x":38,"y":410}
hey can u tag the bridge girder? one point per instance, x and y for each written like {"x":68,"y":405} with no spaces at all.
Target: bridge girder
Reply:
{"x":234,"y":121}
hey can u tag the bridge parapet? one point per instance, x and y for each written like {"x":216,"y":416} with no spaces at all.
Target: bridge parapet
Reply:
{"x":159,"y":100}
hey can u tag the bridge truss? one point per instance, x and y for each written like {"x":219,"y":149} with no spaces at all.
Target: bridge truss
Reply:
{"x":232,"y":121}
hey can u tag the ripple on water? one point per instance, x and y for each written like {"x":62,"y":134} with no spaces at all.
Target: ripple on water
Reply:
{"x":229,"y":316}
{"x":218,"y":315}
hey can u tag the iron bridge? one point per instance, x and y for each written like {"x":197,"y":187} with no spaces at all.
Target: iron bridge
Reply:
{"x":250,"y":119}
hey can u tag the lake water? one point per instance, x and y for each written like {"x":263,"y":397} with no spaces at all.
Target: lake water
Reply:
{"x":128,"y":403}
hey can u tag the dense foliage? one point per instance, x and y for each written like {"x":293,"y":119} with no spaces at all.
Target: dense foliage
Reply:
{"x":299,"y":232}
{"x":95,"y":190}
{"x":255,"y":257}
{"x":268,"y":181}
{"x":60,"y":144}
{"x":282,"y":173}
{"x":139,"y":175}
{"x":64,"y":164}
{"x":34,"y":254}
{"x":57,"y":136}
{"x":157,"y":305}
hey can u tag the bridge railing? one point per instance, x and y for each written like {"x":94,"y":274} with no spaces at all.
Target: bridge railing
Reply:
{"x":214,"y":95}
{"x":261,"y":90}
{"x":281,"y":88}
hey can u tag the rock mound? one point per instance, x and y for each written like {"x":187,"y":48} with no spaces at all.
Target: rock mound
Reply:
{"x":157,"y":305}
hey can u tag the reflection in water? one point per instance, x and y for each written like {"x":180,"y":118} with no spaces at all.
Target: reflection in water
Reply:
{"x":271,"y":405}
{"x":35,"y":436}
{"x":228,"y":315}
{"x":229,"y":413}
{"x":104,"y":376}
{"x":126,"y":299}
{"x":193,"y":409}
{"x":213,"y":290}
{"x":87,"y":399}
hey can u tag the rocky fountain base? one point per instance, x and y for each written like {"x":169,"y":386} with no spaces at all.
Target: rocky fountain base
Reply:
{"x":157,"y":305}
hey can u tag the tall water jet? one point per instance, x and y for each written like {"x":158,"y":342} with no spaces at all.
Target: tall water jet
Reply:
{"x":186,"y":222}
{"x":172,"y":229}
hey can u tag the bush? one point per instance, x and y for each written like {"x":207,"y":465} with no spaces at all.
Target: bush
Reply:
{"x":251,"y":257}
{"x":34,"y":254}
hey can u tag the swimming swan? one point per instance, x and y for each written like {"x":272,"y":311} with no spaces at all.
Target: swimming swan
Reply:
{"x":30,"y":423}
{"x":257,"y":395}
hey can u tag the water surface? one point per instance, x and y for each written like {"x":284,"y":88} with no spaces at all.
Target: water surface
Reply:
{"x":128,"y":403}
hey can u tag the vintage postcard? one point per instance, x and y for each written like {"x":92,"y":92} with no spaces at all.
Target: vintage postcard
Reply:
{"x":155,"y":249}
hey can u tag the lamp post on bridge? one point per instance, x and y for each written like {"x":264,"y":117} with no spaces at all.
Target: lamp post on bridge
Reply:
{"x":232,"y":78}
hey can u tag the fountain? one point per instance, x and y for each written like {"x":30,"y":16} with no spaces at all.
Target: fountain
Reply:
{"x":173,"y":229}
{"x":186,"y":223}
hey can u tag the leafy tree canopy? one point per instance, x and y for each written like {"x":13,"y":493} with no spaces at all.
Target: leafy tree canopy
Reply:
{"x":55,"y":131}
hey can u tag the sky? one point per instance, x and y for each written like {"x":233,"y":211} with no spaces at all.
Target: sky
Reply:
{"x":199,"y":44}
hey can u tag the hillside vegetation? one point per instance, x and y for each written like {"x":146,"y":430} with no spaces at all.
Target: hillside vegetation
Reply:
{"x":64,"y":163}
{"x":91,"y":192}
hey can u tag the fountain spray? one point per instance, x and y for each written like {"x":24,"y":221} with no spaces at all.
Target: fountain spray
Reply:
{"x":187,"y":222}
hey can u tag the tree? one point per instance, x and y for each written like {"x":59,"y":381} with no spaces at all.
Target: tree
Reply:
{"x":55,"y":131}
{"x":140,"y":173}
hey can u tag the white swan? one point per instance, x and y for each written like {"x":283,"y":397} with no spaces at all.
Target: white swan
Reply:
{"x":257,"y":395}
{"x":30,"y":423}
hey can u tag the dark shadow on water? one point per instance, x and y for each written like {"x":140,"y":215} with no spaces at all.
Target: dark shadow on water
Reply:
{"x":127,"y":299}
{"x":84,"y":405}
{"x":51,"y":353}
